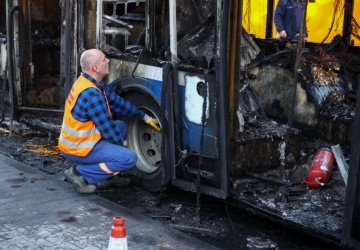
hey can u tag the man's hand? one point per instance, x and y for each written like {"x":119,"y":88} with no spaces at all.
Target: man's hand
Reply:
{"x":152,"y":122}
{"x":283,"y":34}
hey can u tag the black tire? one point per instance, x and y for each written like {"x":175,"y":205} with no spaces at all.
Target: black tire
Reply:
{"x":151,"y":171}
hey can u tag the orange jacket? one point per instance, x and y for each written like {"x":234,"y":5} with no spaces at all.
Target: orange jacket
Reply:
{"x":78,"y":138}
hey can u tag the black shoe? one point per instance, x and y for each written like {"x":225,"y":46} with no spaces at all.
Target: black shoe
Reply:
{"x":116,"y":181}
{"x":80,"y":183}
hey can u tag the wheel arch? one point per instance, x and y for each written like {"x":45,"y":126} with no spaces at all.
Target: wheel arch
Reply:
{"x":137,"y":84}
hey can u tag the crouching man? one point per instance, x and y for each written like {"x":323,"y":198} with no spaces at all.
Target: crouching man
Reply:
{"x":89,"y":136}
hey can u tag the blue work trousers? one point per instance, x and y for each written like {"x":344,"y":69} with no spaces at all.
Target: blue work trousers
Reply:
{"x":104,"y":160}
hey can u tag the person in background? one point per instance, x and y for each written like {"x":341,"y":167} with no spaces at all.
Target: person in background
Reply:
{"x":90,"y":137}
{"x":288,"y":18}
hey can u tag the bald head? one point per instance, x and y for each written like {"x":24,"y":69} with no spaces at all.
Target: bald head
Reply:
{"x":94,"y":63}
{"x":88,"y":59}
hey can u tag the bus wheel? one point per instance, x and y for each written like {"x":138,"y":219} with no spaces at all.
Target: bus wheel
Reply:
{"x":151,"y":172}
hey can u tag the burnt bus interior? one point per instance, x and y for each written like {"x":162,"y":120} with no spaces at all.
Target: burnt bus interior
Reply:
{"x":55,"y":37}
{"x":47,"y":43}
{"x":54,"y":42}
{"x":38,"y":47}
{"x":124,"y":24}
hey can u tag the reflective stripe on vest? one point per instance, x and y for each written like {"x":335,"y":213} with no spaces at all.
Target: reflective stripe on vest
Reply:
{"x":78,"y":138}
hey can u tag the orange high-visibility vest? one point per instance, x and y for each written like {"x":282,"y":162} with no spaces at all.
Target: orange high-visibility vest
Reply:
{"x":78,"y":138}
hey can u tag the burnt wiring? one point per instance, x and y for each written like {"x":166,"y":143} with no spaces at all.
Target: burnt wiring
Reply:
{"x":355,"y":28}
{"x":335,"y":55}
{"x":247,"y":16}
{"x":203,"y":121}
{"x":336,"y":19}
{"x":333,"y":67}
{"x":323,"y":57}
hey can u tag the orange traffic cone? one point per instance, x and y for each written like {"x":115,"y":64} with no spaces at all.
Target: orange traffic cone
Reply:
{"x":118,"y":239}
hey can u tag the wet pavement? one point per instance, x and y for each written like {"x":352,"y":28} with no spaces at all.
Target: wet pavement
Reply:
{"x":40,"y":211}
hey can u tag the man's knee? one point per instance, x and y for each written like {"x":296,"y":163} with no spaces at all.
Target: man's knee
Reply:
{"x":133,"y":158}
{"x":127,"y":162}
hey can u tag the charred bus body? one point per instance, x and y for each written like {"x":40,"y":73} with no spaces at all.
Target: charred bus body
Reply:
{"x":232,"y":112}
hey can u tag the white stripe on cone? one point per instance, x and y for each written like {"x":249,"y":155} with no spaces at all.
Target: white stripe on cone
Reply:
{"x":118,"y":239}
{"x":117,"y":244}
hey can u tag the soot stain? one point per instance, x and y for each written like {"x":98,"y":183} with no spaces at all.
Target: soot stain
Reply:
{"x":94,"y":209}
{"x":69,"y":219}
{"x":63,"y":212}
{"x":16,"y":180}
{"x":15,"y":186}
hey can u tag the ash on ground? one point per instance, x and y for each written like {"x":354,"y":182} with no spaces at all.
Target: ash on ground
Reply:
{"x":218,"y":222}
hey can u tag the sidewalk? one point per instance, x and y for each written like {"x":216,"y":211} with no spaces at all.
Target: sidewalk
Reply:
{"x":39,"y":211}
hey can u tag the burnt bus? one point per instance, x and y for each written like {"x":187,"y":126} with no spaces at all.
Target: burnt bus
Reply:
{"x":233,"y":105}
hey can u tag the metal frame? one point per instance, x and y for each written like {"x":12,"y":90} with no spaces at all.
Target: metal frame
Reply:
{"x":351,"y":226}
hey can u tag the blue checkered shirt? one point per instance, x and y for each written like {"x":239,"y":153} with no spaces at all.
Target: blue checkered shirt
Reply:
{"x":91,"y":105}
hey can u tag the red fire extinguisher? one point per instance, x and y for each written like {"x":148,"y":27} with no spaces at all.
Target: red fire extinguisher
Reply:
{"x":321,"y":168}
